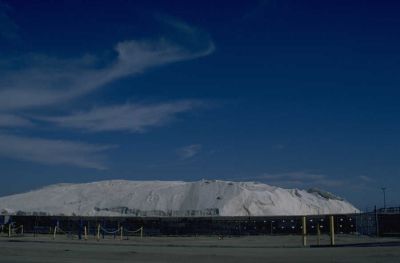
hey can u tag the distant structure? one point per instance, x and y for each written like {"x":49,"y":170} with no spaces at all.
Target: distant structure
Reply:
{"x":384,"y":196}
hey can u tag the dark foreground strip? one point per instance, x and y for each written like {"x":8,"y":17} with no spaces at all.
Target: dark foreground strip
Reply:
{"x":139,"y":244}
{"x":376,"y":244}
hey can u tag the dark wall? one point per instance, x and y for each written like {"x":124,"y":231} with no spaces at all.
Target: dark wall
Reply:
{"x":188,"y":225}
{"x":389,"y":224}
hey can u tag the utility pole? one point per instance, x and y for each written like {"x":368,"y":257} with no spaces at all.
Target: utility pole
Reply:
{"x":384,"y":197}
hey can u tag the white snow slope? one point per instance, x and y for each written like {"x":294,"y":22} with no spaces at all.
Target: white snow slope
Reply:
{"x":173,"y":198}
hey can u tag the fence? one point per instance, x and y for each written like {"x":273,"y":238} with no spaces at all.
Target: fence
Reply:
{"x":372,"y":224}
{"x":234,"y":226}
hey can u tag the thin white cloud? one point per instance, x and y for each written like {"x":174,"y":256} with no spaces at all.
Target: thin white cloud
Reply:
{"x":128,"y":117}
{"x":10,"y":120}
{"x":301,"y":176}
{"x":48,"y":80}
{"x":38,"y":81}
{"x":366,"y":179}
{"x":8,"y":28}
{"x":258,"y":10}
{"x":54,"y":152}
{"x":298,"y":180}
{"x":189,"y":151}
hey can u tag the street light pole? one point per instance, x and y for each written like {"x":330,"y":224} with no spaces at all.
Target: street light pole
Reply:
{"x":384,"y":197}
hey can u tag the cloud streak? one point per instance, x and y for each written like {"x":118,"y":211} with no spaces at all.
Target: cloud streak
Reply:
{"x":305,"y":180}
{"x":48,"y":80}
{"x":298,"y":180}
{"x":10,"y":120}
{"x":189,"y":151}
{"x":53,"y":152}
{"x":8,"y":28}
{"x":39,"y":82}
{"x":128,"y":117}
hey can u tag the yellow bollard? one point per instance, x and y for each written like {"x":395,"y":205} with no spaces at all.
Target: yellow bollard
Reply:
{"x":55,"y":232}
{"x":85,"y":233}
{"x":332,"y":230}
{"x":304,"y":224}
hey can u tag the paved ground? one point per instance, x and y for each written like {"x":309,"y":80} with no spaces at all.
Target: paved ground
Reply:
{"x":196,"y":249}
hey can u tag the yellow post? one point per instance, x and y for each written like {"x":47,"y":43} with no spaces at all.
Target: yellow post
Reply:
{"x":85,"y":233}
{"x":98,"y":232}
{"x":332,"y":230}
{"x":55,"y":232}
{"x":318,"y":234}
{"x":304,"y":224}
{"x":9,"y":230}
{"x":122,"y":231}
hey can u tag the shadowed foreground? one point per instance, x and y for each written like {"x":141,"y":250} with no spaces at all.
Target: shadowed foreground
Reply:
{"x":195,"y":249}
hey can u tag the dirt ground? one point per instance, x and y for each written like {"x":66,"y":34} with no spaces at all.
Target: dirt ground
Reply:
{"x":198,"y":249}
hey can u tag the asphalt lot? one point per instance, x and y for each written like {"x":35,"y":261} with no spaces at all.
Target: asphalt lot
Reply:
{"x":198,"y":249}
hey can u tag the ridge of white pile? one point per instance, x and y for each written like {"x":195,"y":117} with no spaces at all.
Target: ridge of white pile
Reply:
{"x":230,"y":198}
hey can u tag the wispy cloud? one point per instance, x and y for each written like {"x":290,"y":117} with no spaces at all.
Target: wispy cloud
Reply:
{"x":189,"y":151}
{"x":302,"y":176}
{"x":279,"y":146}
{"x":298,"y":180}
{"x":129,"y":117}
{"x":306,"y":180}
{"x":10,"y":120}
{"x":8,"y":28}
{"x":53,"y":152}
{"x":50,"y":80}
{"x":366,"y":179}
{"x":38,"y":81}
{"x":259,"y":9}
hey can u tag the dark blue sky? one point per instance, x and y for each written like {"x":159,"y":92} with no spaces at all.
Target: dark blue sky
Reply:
{"x":290,"y":93}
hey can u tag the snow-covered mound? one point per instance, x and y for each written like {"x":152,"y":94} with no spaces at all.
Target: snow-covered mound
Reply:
{"x":173,"y":198}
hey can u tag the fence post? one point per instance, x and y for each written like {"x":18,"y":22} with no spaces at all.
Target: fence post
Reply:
{"x":98,"y":232}
{"x":376,"y":222}
{"x":271,"y":227}
{"x":122,"y":231}
{"x":318,"y":234}
{"x":304,"y":224}
{"x":332,"y":229}
{"x":9,"y":230}
{"x":80,"y":229}
{"x":141,"y":232}
{"x":22,"y":230}
{"x":55,"y":232}
{"x":85,"y":233}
